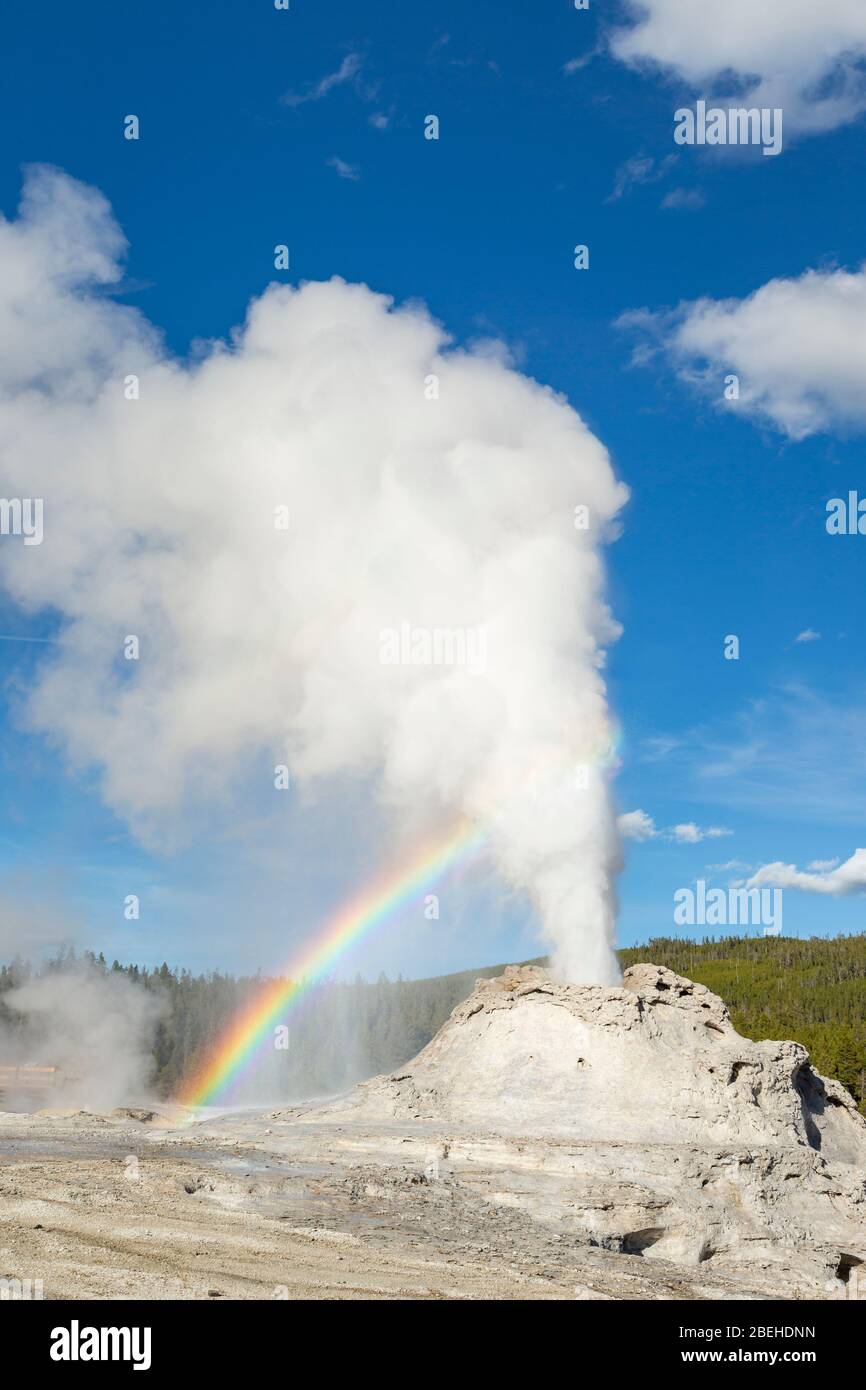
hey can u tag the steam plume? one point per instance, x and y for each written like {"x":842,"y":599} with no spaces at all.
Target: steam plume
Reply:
{"x":97,"y":1028}
{"x":407,"y":512}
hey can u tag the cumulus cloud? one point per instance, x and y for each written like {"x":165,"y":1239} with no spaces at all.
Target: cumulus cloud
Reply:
{"x":797,"y":347}
{"x":261,"y":644}
{"x":691,"y":834}
{"x":637,"y":825}
{"x":840,"y":882}
{"x":808,"y":635}
{"x":807,"y":58}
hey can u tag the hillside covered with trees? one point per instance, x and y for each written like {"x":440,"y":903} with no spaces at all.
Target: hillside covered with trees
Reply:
{"x":812,"y":990}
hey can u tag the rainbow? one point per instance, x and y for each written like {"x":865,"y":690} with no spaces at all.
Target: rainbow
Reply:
{"x":236,"y":1049}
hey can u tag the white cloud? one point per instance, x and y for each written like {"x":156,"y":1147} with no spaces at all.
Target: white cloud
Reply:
{"x":638,"y":170}
{"x":840,"y":882}
{"x":348,"y":71}
{"x":822,"y":864}
{"x":808,"y":635}
{"x":687,"y":834}
{"x":691,"y":834}
{"x":636,"y":825}
{"x":798,"y":347}
{"x":260,"y":645}
{"x":344,"y":170}
{"x":804,"y":56}
{"x":683,"y":200}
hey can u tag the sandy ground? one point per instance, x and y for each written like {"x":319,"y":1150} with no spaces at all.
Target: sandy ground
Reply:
{"x":272,"y":1205}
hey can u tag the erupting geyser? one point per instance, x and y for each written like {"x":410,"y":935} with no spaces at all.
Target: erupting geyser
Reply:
{"x":263,"y":517}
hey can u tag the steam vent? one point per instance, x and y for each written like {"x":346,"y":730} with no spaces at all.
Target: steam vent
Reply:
{"x":637,"y":1120}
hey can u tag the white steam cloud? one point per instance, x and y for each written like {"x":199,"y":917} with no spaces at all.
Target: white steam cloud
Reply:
{"x":96,"y":1028}
{"x":406,"y":512}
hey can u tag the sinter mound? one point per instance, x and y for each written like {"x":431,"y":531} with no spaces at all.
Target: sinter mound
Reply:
{"x":670,"y":1133}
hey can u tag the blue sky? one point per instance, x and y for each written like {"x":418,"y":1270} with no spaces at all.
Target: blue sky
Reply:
{"x":244,"y":146}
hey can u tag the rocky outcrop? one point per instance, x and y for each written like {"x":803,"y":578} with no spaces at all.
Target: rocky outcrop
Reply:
{"x":657,"y":1060}
{"x":639,"y":1120}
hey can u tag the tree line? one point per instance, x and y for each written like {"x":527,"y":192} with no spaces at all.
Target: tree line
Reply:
{"x":811,"y":990}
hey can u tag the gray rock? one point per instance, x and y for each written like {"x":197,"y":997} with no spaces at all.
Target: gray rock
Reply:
{"x":638,"y":1120}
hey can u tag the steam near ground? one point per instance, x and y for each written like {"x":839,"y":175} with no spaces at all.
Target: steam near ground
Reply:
{"x":425,"y":489}
{"x":97,"y":1028}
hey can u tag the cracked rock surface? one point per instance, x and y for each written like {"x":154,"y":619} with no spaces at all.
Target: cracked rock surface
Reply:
{"x":648,"y":1124}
